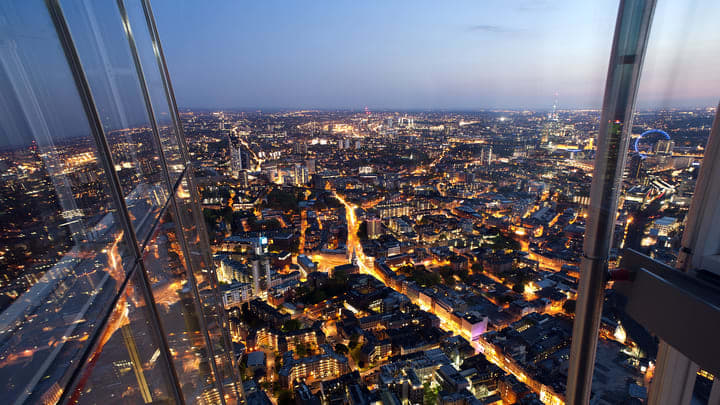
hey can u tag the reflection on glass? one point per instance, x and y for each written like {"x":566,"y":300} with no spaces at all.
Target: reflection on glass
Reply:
{"x":175,"y":301}
{"x":62,"y":253}
{"x":158,"y":98}
{"x":206,"y":280}
{"x":126,"y":367}
{"x":104,"y":51}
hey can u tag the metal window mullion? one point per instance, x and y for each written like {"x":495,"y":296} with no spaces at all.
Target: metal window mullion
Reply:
{"x":172,"y":104}
{"x":632,"y":30}
{"x":219,"y":380}
{"x":167,"y":85}
{"x":179,"y":225}
{"x":171,"y":188}
{"x":205,"y":248}
{"x":142,"y":82}
{"x":105,"y":157}
{"x":175,"y":116}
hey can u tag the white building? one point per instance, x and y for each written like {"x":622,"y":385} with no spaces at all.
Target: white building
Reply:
{"x":233,"y":295}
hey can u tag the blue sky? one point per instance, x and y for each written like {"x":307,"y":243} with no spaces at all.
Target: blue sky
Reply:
{"x":427,"y":55}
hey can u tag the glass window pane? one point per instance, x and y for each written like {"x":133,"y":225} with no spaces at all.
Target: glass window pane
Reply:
{"x":62,"y":255}
{"x":127,"y":366}
{"x":153,"y":79}
{"x":104,"y":50}
{"x":175,"y":302}
{"x":206,"y":279}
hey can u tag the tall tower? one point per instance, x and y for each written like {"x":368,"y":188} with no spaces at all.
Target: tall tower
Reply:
{"x":237,"y":160}
{"x":310,"y":164}
{"x":301,"y":174}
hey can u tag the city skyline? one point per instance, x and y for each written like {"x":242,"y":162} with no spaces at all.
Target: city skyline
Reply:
{"x":423,"y":204}
{"x":428,"y":56}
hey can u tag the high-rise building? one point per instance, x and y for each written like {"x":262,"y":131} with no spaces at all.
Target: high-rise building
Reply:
{"x":244,"y":178}
{"x":260,"y":274}
{"x":238,"y":161}
{"x":344,"y":143}
{"x":374,"y":227}
{"x":664,"y":147}
{"x":310,"y":164}
{"x":389,"y":210}
{"x":486,"y":156}
{"x":634,"y":166}
{"x":301,"y":175}
{"x":301,"y":148}
{"x":107,"y":290}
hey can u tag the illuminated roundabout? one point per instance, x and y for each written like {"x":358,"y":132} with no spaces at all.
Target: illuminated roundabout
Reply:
{"x":652,"y":131}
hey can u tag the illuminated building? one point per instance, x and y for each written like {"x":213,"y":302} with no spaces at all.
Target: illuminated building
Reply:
{"x":301,"y":175}
{"x":634,"y":166}
{"x":403,"y":382}
{"x":664,"y":226}
{"x":664,"y":147}
{"x":486,"y":156}
{"x":310,"y":164}
{"x":284,"y":341}
{"x":392,"y":210}
{"x":322,"y":366}
{"x":374,"y":227}
{"x":306,"y":264}
{"x":233,"y":295}
{"x":237,"y":159}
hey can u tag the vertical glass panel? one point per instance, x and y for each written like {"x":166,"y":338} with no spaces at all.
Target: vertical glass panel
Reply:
{"x":104,"y":50}
{"x":153,"y":79}
{"x":62,"y":254}
{"x":127,"y":366}
{"x":676,"y":106}
{"x":176,"y":304}
{"x":192,"y":220}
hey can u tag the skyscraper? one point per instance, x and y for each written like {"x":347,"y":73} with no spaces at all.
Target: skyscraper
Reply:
{"x":301,"y":175}
{"x":237,"y":160}
{"x":301,"y":148}
{"x":634,"y":165}
{"x":486,"y":156}
{"x":310,"y":164}
{"x":374,"y":227}
{"x":107,"y":286}
{"x":664,"y":147}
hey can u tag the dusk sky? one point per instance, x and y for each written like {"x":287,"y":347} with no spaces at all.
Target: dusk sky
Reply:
{"x":426,"y":55}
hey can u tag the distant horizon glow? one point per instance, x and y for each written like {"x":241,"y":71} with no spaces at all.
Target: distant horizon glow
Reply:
{"x":462,"y":56}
